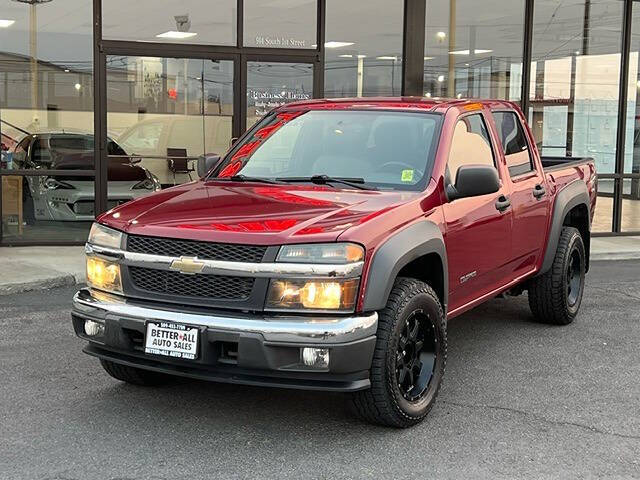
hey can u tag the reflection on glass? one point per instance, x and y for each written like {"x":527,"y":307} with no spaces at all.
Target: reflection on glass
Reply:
{"x":280,"y":24}
{"x":188,"y":21}
{"x":271,"y":84}
{"x":47,"y":208}
{"x":363,"y":51}
{"x":165,"y":112}
{"x":473,"y":49}
{"x":46,"y":80}
{"x":574,"y":87}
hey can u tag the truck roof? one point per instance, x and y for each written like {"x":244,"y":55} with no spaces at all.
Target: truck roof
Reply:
{"x":396,"y":103}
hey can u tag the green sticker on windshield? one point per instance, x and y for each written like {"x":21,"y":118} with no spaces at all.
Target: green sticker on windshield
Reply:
{"x":407,"y":176}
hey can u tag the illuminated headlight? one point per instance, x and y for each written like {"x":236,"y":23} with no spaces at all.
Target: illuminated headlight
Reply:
{"x":338,"y":253}
{"x":104,"y":236}
{"x":333,"y":295}
{"x":103,"y":275}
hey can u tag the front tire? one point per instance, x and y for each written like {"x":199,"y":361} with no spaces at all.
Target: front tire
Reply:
{"x":555,"y":296}
{"x":135,"y":376}
{"x":409,"y":358}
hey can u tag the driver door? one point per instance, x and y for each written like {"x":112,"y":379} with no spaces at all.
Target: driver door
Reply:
{"x":478,"y":234}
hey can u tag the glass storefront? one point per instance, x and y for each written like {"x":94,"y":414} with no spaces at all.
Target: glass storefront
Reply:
{"x":473,"y":49}
{"x":178,"y":81}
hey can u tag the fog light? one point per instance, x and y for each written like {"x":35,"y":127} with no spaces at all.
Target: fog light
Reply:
{"x":315,"y":357}
{"x":93,"y":329}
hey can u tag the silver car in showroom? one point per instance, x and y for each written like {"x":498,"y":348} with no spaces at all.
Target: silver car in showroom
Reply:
{"x":62,"y":197}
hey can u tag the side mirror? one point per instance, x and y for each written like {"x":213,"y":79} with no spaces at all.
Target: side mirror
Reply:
{"x":474,"y":180}
{"x":207,"y":162}
{"x":134,"y":160}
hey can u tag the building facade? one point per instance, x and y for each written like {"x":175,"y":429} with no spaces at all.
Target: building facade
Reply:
{"x":104,"y":101}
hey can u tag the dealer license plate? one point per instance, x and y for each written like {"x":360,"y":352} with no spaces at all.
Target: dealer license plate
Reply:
{"x":171,"y":340}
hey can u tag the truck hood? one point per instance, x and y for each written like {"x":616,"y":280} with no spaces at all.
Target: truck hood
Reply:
{"x":252,"y":213}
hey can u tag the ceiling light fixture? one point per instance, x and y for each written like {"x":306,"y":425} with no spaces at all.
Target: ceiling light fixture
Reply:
{"x":333,"y":44}
{"x":6,"y":23}
{"x":346,"y":56}
{"x":441,"y":78}
{"x":428,"y":58}
{"x":477,"y":51}
{"x":441,"y":35}
{"x":176,"y":35}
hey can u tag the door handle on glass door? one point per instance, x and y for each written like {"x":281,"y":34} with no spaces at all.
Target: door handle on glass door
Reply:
{"x":502,"y":203}
{"x":538,"y":191}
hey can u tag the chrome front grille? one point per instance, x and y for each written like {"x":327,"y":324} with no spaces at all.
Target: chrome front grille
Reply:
{"x":174,"y":247}
{"x":213,"y":287}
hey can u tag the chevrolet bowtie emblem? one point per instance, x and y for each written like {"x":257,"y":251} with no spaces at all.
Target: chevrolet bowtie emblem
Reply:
{"x":188,"y":265}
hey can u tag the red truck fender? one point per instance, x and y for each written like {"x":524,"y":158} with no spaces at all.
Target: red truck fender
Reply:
{"x":420,"y":244}
{"x":570,"y":208}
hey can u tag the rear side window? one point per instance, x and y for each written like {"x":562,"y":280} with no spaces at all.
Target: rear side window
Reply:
{"x":514,"y":143}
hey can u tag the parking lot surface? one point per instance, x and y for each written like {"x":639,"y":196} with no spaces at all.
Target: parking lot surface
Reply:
{"x":520,"y":400}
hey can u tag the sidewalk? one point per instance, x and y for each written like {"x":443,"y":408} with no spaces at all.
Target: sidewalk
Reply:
{"x":39,"y":268}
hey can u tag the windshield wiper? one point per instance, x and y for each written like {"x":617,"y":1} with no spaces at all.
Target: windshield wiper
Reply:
{"x":244,"y":178}
{"x":325,"y":179}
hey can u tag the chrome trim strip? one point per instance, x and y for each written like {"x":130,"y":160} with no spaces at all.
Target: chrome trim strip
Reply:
{"x":237,"y":269}
{"x":283,"y":329}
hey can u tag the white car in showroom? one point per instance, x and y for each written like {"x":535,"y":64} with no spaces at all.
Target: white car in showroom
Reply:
{"x":68,"y":197}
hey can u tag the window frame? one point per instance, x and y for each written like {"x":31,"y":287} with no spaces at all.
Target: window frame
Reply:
{"x":534,"y":168}
{"x":483,"y":117}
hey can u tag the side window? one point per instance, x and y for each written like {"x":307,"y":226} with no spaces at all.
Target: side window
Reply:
{"x":470,"y":145}
{"x":514,"y":143}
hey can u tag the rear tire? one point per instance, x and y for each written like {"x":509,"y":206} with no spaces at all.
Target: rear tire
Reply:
{"x":409,"y":358}
{"x":135,"y":376}
{"x":555,"y":296}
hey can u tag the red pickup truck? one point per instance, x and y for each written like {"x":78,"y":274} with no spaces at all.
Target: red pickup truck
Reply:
{"x":327,"y":249}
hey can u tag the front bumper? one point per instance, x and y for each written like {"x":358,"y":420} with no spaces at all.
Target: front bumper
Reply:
{"x":234,"y":347}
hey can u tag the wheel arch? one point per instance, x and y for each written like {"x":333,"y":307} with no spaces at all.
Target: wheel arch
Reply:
{"x":417,"y":251}
{"x":570,"y":209}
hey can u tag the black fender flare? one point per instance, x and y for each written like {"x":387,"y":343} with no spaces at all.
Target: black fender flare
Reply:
{"x":396,"y":252}
{"x":572,"y":195}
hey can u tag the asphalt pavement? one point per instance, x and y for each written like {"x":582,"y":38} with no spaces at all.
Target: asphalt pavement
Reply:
{"x":520,"y":400}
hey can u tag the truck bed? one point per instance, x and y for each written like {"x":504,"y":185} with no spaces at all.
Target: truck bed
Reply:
{"x":557,"y":163}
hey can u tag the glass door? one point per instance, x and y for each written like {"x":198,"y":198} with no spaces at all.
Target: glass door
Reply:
{"x":271,"y":84}
{"x":162,"y":114}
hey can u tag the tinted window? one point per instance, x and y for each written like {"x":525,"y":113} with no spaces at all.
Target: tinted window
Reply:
{"x":470,"y":145}
{"x":514,"y":143}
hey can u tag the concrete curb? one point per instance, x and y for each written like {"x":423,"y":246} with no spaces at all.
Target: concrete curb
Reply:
{"x":41,"y":284}
{"x":596,"y":257}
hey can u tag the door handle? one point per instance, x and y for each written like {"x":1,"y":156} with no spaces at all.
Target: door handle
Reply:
{"x":502,"y":203}
{"x":538,"y":191}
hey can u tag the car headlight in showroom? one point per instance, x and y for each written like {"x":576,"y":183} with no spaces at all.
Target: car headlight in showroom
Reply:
{"x":332,"y":294}
{"x":51,"y":183}
{"x":149,"y":183}
{"x":104,"y":236}
{"x":103,"y":274}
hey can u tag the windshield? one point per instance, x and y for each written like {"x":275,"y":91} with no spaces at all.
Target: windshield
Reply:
{"x":389,"y":150}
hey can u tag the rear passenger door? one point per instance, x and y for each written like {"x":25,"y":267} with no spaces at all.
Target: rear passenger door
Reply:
{"x":478,"y":234}
{"x":529,"y":200}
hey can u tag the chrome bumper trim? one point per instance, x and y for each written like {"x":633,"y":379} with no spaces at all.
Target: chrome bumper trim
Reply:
{"x":236,"y":269}
{"x":283,"y":329}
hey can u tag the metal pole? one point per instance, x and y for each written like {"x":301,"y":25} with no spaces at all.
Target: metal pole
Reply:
{"x":451,"y":83}
{"x":622,"y":113}
{"x":527,"y":58}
